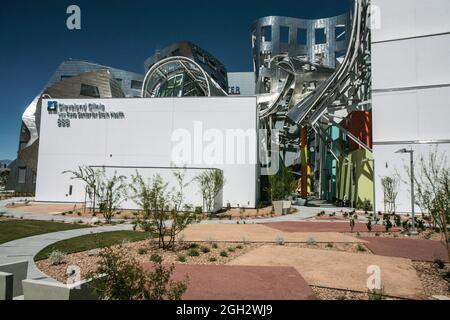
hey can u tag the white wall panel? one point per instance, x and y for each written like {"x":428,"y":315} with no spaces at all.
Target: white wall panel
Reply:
{"x":412,"y":115}
{"x":411,"y":18}
{"x":411,"y":63}
{"x":143,"y":139}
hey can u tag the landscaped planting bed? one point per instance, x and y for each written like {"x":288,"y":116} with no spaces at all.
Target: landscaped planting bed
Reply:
{"x":187,"y":253}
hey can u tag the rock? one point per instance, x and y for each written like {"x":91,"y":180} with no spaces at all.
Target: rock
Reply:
{"x":93,"y":252}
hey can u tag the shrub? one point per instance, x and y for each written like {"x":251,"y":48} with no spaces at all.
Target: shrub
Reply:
{"x":330,"y":245}
{"x":181,"y":258}
{"x":142,"y":251}
{"x":223,"y":253}
{"x":119,"y":277}
{"x":205,"y":249}
{"x":361,"y":248}
{"x":212,"y":259}
{"x":352,"y":225}
{"x":57,"y":257}
{"x":193,"y":252}
{"x":397,"y":220}
{"x":439,"y":263}
{"x":231,"y":249}
{"x":387,"y":223}
{"x":193,"y":246}
{"x":311,"y":241}
{"x":279,"y":240}
{"x":377,"y":234}
{"x":214,"y":245}
{"x":376,"y":294}
{"x":369,"y":225}
{"x":239,"y":246}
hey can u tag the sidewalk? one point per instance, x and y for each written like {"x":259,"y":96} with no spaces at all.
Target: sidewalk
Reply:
{"x":27,"y":248}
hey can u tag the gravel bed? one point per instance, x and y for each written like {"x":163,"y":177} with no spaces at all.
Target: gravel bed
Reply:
{"x":141,"y":251}
{"x":432,"y":278}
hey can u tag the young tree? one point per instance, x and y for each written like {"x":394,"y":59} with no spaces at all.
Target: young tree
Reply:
{"x":210,"y":182}
{"x":390,"y":186}
{"x":165,"y":213}
{"x":432,"y":191}
{"x":111,"y":192}
{"x":90,"y":177}
{"x":108,"y":192}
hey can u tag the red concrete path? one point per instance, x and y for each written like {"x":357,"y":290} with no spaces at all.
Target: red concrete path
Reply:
{"x":211,"y":282}
{"x":414,"y":249}
{"x":322,"y":227}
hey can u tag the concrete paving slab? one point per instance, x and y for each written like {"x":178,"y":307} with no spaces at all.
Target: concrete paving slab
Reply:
{"x":341,"y":270}
{"x":258,"y":233}
{"x":208,"y":282}
{"x":414,"y":249}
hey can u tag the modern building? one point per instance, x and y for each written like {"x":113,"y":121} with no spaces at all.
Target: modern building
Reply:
{"x":336,"y":98}
{"x":411,"y":89}
{"x":72,"y":79}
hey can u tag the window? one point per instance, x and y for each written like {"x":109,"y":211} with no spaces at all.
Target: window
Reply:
{"x":22,"y":176}
{"x":65,"y":77}
{"x":136,"y":84}
{"x":302,"y":37}
{"x":266,"y":34}
{"x":70,"y":190}
{"x":321,"y":37}
{"x":89,"y":91}
{"x":340,"y":33}
{"x":119,"y":81}
{"x":284,"y":34}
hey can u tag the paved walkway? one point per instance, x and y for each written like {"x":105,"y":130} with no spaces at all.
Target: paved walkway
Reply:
{"x":27,"y":248}
{"x":303,"y":213}
{"x":208,"y":282}
{"x":259,"y":233}
{"x":37,"y":216}
{"x":414,"y":249}
{"x":322,"y":227}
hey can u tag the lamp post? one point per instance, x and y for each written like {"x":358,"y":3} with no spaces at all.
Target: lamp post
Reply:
{"x":411,"y":155}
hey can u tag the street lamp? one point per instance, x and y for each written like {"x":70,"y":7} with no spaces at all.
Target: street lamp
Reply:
{"x":411,"y":154}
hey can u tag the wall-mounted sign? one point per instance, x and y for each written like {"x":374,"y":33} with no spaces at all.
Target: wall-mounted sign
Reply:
{"x":84,"y":111}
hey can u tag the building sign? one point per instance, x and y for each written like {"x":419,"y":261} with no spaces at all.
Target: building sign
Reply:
{"x":235,"y":90}
{"x":85,"y":111}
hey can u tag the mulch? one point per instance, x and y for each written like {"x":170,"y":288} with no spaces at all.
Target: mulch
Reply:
{"x":210,"y":282}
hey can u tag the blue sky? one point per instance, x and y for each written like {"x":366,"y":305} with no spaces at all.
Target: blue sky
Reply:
{"x":122,"y":33}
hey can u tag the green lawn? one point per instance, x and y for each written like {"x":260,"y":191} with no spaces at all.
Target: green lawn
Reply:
{"x":91,"y":241}
{"x":16,"y":229}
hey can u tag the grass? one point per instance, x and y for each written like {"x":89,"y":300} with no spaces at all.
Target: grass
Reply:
{"x":91,"y":241}
{"x":17,"y":229}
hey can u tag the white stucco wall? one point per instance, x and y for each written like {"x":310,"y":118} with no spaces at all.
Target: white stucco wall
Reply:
{"x":143,"y":141}
{"x":411,"y":87}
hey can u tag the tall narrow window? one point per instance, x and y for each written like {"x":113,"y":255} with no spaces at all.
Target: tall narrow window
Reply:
{"x":266,"y":34}
{"x":284,"y":34}
{"x":302,"y":37}
{"x":321,"y":37}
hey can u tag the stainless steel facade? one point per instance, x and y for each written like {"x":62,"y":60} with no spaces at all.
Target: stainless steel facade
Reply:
{"x":184,"y":69}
